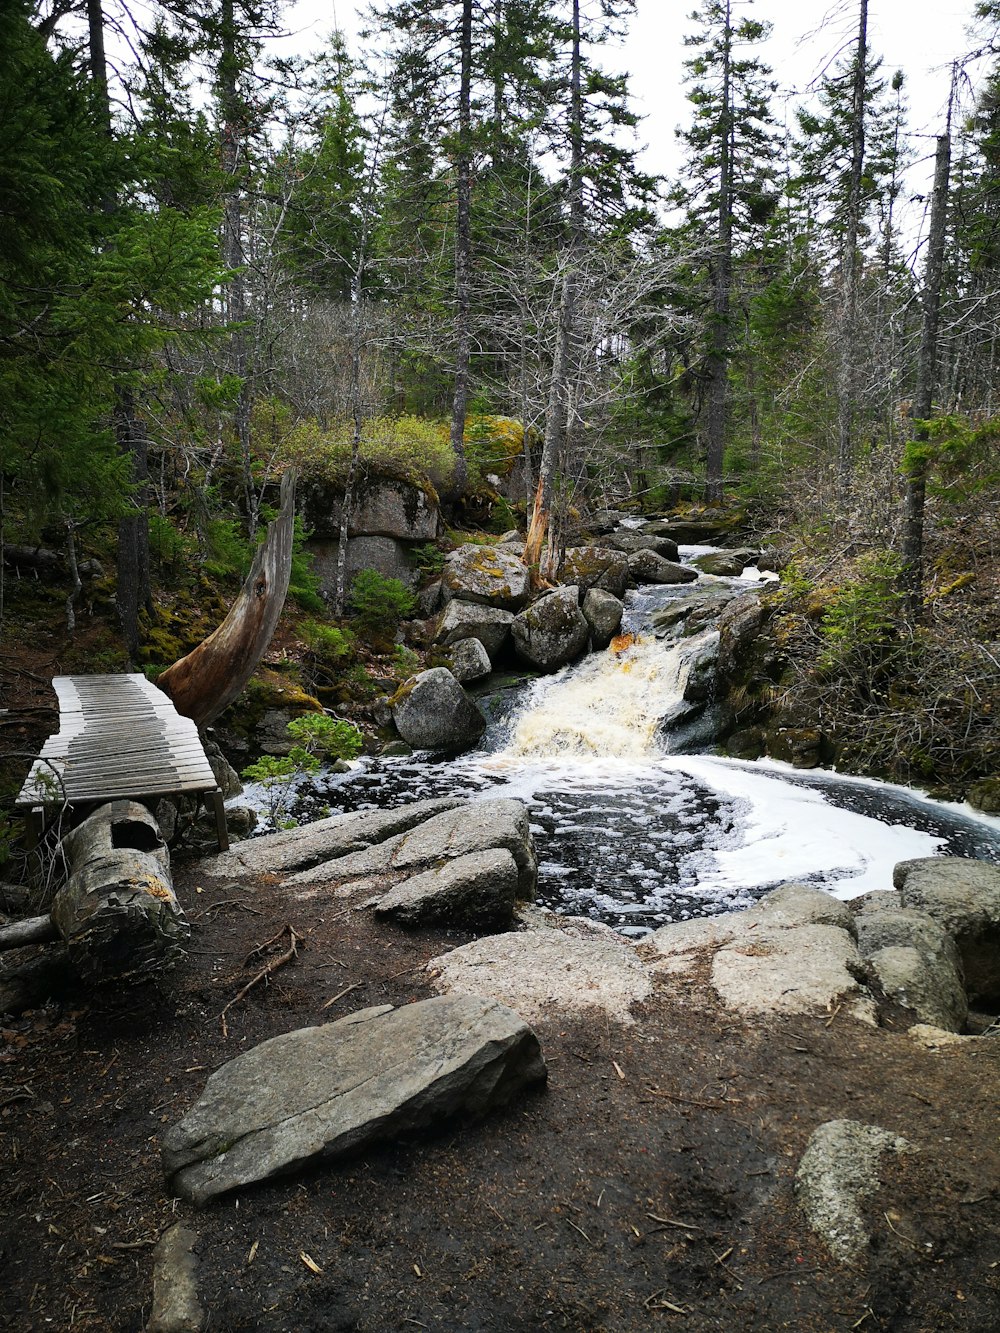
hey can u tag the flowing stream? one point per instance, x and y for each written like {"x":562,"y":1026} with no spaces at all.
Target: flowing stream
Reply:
{"x":634,"y":829}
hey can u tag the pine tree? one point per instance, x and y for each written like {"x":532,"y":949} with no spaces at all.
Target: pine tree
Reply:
{"x":729,"y":184}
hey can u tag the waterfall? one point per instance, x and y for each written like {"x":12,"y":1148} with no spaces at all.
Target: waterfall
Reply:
{"x":610,"y":705}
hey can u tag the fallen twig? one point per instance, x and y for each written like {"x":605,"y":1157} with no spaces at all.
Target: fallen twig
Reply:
{"x":340,"y":994}
{"x":227,"y":902}
{"x":291,"y":952}
{"x":672,"y":1222}
{"x":691,"y":1101}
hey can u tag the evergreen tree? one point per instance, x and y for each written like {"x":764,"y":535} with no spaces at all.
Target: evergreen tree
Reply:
{"x":729,"y":184}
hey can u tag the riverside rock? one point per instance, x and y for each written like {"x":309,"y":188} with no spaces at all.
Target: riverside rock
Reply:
{"x":648,"y":567}
{"x":486,"y":575}
{"x":915,"y":959}
{"x":725,"y":564}
{"x":595,"y":567}
{"x":331,"y":1091}
{"x":603,"y":613}
{"x":963,"y":896}
{"x":552,"y":631}
{"x":638,"y":541}
{"x":469,"y":660}
{"x":470,"y":826}
{"x":432,"y":712}
{"x":471,"y":620}
{"x":478,"y":890}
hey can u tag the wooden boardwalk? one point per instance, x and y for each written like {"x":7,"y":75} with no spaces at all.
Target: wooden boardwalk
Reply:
{"x":119,"y":736}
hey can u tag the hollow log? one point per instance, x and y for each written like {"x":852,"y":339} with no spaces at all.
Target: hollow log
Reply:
{"x":117,"y":912}
{"x":211,"y":676}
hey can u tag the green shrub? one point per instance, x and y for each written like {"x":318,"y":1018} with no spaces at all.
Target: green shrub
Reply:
{"x":379,"y":604}
{"x":327,"y":643}
{"x":317,"y":734}
{"x":429,"y":559}
{"x":405,"y":446}
{"x":317,"y":738}
{"x":862,"y":618}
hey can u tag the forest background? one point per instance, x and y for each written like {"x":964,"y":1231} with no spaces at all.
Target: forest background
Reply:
{"x":447,"y":255}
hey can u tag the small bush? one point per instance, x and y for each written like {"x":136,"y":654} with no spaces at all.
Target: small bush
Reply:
{"x":379,"y":604}
{"x":327,"y":643}
{"x":862,"y":618}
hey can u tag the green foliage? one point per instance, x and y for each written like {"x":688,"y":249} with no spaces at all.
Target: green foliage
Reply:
{"x":317,"y":734}
{"x":958,"y":455}
{"x":317,"y":738}
{"x":379,"y":603}
{"x":228,"y":549}
{"x":428,"y":558}
{"x":327,"y":643}
{"x":860,"y":622}
{"x":404,"y":660}
{"x":408,"y":446}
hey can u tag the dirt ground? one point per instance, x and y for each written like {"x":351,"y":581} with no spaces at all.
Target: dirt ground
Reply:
{"x":649,"y":1185}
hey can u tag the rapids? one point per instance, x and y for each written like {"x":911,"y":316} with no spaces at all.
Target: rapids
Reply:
{"x":633,"y":832}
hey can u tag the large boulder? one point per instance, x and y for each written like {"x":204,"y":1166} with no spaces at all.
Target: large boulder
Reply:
{"x":963,"y":896}
{"x":332,"y":1091}
{"x":486,"y":575}
{"x":383,"y":507}
{"x":470,"y":827}
{"x":469,"y":660}
{"x":386,"y":555}
{"x":603,"y":613}
{"x":696,"y":530}
{"x":648,"y":567}
{"x":643,"y":541}
{"x":432,"y":712}
{"x":551,"y":632}
{"x":725,"y":564}
{"x":478,"y":891}
{"x":472,"y":620}
{"x":595,"y":567}
{"x":739,"y":624}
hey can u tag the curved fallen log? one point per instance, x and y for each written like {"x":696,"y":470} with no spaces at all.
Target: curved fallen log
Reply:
{"x":212,"y":675}
{"x":30,"y":930}
{"x":117,"y":912}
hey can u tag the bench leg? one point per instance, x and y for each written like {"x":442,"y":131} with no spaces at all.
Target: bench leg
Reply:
{"x":221,"y":831}
{"x":34,"y":827}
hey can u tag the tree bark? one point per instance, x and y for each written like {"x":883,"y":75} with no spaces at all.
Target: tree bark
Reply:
{"x":211,"y":676}
{"x":923,"y":399}
{"x":31,"y":930}
{"x":117,"y":912}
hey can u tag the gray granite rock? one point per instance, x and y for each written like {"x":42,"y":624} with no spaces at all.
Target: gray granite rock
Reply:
{"x":838,"y":1171}
{"x":725,"y":564}
{"x":595,"y":567}
{"x":176,"y":1307}
{"x":552,"y":631}
{"x":477,"y":891}
{"x":331,"y":1091}
{"x":603,"y":613}
{"x":638,"y":541}
{"x":926,"y":983}
{"x":471,"y":826}
{"x":324,"y":840}
{"x":963,"y":896}
{"x":432,"y":712}
{"x":648,"y":567}
{"x":486,"y":575}
{"x":470,"y":620}
{"x":469,"y":660}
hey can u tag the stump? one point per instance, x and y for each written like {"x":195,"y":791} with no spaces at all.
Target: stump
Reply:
{"x":117,"y":912}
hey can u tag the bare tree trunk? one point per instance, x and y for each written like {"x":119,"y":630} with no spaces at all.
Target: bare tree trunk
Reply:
{"x":850,"y":265}
{"x":923,"y":401}
{"x":463,"y":253}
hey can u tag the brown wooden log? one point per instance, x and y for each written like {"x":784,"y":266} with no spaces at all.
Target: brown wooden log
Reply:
{"x":34,"y":982}
{"x":211,"y":676}
{"x":117,"y":911}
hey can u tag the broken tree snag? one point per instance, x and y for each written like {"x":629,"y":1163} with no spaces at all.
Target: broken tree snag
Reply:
{"x":117,"y":912}
{"x":205,"y":682}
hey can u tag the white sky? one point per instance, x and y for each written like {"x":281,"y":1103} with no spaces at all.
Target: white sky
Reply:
{"x":921,"y":37}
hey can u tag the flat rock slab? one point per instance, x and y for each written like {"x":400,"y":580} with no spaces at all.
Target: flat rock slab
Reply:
{"x":478,"y":890}
{"x":545,"y":971}
{"x":331,"y":1091}
{"x":792,"y":970}
{"x":838,"y":1171}
{"x":472,"y":826}
{"x":339,"y":835}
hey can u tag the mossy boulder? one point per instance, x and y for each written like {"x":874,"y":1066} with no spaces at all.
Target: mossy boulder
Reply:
{"x":985,"y":796}
{"x":487,"y":576}
{"x":595,"y":567}
{"x":432,"y":712}
{"x":551,"y":632}
{"x":603,"y":612}
{"x":648,"y":567}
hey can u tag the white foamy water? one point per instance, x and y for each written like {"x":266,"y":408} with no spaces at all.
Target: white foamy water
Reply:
{"x":609,"y":706}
